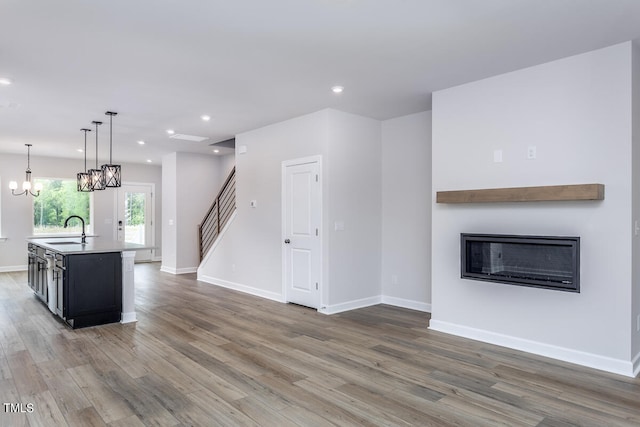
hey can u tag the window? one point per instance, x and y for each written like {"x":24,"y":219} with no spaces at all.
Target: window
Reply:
{"x":58,"y":200}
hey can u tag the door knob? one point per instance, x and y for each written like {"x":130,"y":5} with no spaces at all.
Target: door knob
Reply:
{"x":287,"y":241}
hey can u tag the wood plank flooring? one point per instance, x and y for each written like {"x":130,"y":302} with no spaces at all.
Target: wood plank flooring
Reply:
{"x":206,"y":356}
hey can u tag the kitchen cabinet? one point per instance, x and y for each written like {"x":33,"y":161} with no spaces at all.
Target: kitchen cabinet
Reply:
{"x":88,"y":286}
{"x":85,"y":283}
{"x":58,"y":281}
{"x":92,"y":289}
{"x":37,"y":271}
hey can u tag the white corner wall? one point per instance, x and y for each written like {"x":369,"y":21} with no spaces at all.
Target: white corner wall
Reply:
{"x":170,"y":212}
{"x":635,"y":297}
{"x":353,"y":190}
{"x":185,"y":207}
{"x":406,"y":211}
{"x":577,"y":112}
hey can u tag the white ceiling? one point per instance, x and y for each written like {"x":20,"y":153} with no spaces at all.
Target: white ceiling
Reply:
{"x":247,"y":63}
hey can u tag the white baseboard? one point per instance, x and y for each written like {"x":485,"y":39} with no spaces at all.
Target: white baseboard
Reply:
{"x":156,"y":258}
{"x":10,"y":268}
{"x":635,"y":362}
{"x":172,"y":270}
{"x":406,"y":303}
{"x":274,"y":296}
{"x":129,"y":317}
{"x":596,"y":361}
{"x":350,"y":305}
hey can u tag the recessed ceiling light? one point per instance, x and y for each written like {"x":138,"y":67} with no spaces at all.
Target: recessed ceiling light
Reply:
{"x":141,"y":142}
{"x":216,"y":151}
{"x":148,"y":160}
{"x":205,"y":117}
{"x":337,"y":89}
{"x":171,"y":131}
{"x":80,"y":150}
{"x":5,"y":81}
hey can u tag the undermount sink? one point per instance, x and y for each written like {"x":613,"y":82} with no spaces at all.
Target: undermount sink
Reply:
{"x":63,"y":243}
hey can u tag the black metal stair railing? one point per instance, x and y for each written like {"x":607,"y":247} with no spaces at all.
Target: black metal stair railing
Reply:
{"x":217,"y":215}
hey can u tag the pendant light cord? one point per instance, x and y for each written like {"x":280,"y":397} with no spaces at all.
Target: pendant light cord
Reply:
{"x":110,"y":137}
{"x":85,"y":147}
{"x":111,"y":114}
{"x":97,"y":124}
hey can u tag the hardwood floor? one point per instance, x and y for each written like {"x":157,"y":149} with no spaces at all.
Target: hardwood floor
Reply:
{"x":202,"y":355}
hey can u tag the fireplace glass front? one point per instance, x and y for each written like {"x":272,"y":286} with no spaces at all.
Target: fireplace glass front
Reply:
{"x":538,"y":261}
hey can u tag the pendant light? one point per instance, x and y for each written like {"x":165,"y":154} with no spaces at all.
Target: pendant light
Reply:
{"x":111,"y":172}
{"x":97,"y":179}
{"x":84,"y":177}
{"x":26,"y":185}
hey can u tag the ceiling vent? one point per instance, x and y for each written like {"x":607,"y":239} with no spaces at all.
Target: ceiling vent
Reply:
{"x":188,"y":137}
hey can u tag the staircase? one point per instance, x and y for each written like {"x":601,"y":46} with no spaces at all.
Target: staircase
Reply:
{"x":217,"y":215}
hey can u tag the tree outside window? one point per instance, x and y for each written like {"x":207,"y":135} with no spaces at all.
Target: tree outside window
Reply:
{"x":135,"y":217}
{"x":58,"y":200}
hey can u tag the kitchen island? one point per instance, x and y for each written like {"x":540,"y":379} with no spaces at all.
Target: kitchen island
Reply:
{"x":85,"y":284}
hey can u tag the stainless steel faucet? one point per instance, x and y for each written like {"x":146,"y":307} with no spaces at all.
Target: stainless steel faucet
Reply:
{"x":84,"y":236}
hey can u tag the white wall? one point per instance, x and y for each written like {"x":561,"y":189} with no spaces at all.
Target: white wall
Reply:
{"x":249,"y":257}
{"x":406,"y":211}
{"x":577,"y":112}
{"x":226,"y":163}
{"x":353,"y":183}
{"x":191,"y":182}
{"x":170,"y":212}
{"x":17,"y":212}
{"x":635,"y":299}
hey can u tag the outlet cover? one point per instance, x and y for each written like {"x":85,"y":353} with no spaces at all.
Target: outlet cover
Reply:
{"x":531,"y":152}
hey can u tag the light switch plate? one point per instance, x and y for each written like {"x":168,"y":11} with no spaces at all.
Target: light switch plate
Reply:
{"x":497,"y":156}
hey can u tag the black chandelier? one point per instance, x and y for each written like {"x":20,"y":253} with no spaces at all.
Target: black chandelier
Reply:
{"x":26,"y":185}
{"x":84,"y":177}
{"x":110,"y":172}
{"x":97,"y":178}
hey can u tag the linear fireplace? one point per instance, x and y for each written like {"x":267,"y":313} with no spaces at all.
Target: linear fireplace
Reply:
{"x":538,"y":261}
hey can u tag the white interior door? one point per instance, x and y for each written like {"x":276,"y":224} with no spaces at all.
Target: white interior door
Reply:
{"x":302,"y":250}
{"x":134,"y":219}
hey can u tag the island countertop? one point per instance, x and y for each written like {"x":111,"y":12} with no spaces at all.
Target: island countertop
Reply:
{"x":72,"y":245}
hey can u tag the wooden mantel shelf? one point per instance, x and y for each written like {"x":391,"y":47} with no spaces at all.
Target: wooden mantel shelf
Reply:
{"x":524,"y":194}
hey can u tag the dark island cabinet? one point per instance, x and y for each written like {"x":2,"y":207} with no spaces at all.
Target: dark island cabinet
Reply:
{"x":37,"y":271}
{"x":86,"y":289}
{"x":92,"y":289}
